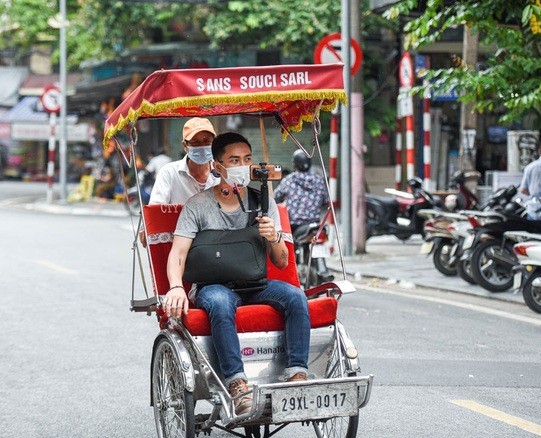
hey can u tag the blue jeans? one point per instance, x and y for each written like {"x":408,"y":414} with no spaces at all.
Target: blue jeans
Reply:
{"x":221,"y":304}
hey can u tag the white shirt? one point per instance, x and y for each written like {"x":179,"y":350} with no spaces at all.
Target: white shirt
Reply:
{"x":175,"y":185}
{"x":157,"y":162}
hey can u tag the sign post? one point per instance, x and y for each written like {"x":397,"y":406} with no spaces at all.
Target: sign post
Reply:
{"x":50,"y":100}
{"x":406,"y":78}
{"x":329,"y":50}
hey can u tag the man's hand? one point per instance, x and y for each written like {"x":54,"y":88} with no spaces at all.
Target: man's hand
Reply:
{"x":267,"y":229}
{"x":176,"y":302}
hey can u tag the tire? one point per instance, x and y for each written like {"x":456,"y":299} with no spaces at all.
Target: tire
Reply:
{"x":173,"y":404}
{"x":486,"y":271}
{"x":372,"y":221}
{"x":339,"y":427}
{"x":307,"y":275}
{"x":531,"y":293}
{"x":463,"y":269}
{"x":441,"y":259}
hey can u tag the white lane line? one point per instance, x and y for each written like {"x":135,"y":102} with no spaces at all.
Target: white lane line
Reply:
{"x":56,"y":267}
{"x":526,"y":425}
{"x":467,"y":306}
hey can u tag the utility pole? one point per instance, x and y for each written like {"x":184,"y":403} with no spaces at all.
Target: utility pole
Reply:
{"x":345,"y":141}
{"x":63,"y":110}
{"x":468,"y":118}
{"x":357,"y":144}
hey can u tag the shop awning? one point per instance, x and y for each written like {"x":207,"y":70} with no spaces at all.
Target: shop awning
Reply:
{"x":29,"y":110}
{"x":11,"y":79}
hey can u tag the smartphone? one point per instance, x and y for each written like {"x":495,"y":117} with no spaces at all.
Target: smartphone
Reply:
{"x":273,"y":172}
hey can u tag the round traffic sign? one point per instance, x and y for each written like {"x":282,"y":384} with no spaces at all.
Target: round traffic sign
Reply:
{"x":329,"y":50}
{"x":51,"y":98}
{"x":405,"y":71}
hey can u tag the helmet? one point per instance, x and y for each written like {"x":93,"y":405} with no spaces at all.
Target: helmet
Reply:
{"x":301,"y":161}
{"x":450,"y":202}
{"x":415,"y":183}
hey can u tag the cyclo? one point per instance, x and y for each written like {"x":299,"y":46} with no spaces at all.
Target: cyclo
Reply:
{"x":187,"y":392}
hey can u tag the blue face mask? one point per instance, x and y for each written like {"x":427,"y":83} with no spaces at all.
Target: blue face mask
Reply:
{"x":200,"y":154}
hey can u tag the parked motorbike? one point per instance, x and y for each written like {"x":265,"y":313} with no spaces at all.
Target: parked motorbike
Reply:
{"x":397,"y":215}
{"x":311,"y":250}
{"x":133,"y":202}
{"x":527,"y":275}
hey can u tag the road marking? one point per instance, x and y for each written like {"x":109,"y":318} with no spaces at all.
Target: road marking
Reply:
{"x":467,"y":306}
{"x":55,"y":267}
{"x":528,"y":426}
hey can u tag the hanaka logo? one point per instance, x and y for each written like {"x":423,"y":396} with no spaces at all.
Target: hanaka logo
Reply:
{"x":248,"y":351}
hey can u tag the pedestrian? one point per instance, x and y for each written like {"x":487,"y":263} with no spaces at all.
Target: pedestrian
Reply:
{"x":304,"y":193}
{"x":219,"y":208}
{"x":179,"y":180}
{"x":531,"y":180}
{"x":157,"y":160}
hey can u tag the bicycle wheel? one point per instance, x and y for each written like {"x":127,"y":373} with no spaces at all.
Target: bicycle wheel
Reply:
{"x":339,"y":427}
{"x":173,"y":404}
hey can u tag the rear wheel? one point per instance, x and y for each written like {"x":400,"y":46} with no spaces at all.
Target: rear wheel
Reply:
{"x":441,"y":258}
{"x":487,"y":271}
{"x":173,"y":404}
{"x":339,"y":427}
{"x":531,"y":291}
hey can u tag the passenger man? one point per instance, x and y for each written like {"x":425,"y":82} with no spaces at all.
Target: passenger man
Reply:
{"x":179,"y":180}
{"x":218,"y":208}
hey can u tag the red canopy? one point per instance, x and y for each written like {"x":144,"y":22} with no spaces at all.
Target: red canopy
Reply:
{"x":290,"y":91}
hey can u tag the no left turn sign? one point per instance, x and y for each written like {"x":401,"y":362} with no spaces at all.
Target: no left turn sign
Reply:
{"x":329,"y":51}
{"x":51,"y":98}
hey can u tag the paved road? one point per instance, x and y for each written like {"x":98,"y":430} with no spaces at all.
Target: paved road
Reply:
{"x":75,"y":361}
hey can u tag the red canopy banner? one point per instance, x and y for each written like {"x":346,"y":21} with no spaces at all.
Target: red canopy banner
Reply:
{"x":293,"y":92}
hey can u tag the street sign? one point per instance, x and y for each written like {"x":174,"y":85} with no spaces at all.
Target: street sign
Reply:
{"x":51,"y":98}
{"x":405,"y":71}
{"x":329,"y":50}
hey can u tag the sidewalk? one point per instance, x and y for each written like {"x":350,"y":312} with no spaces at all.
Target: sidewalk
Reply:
{"x":389,"y":259}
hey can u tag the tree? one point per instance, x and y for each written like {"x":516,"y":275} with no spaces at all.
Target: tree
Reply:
{"x":508,"y":81}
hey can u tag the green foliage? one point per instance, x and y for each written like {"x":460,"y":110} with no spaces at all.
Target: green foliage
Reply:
{"x":508,"y":82}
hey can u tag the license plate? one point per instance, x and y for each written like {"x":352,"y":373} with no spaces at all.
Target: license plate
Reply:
{"x":517,"y":280}
{"x":320,"y":252}
{"x":315,"y":402}
{"x":426,"y":247}
{"x":468,"y":241}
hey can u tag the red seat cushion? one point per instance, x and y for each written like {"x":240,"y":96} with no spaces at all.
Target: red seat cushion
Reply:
{"x":263,"y":318}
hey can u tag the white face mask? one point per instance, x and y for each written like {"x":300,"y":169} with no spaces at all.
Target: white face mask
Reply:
{"x":239,"y":175}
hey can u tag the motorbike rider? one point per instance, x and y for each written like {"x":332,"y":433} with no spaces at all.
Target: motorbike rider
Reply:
{"x":531,"y":186}
{"x":157,"y":160}
{"x":303,"y":192}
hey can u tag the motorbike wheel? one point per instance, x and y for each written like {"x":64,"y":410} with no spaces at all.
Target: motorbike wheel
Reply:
{"x":372,"y":221}
{"x":441,"y":259}
{"x":463,"y":269}
{"x":486,"y":271}
{"x":307,"y":275}
{"x":531,"y":292}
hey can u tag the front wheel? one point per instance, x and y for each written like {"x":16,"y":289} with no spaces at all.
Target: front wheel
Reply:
{"x":339,"y":427}
{"x":487,"y":271}
{"x":441,"y":258}
{"x":463,"y":268}
{"x":173,"y":404}
{"x":531,"y":291}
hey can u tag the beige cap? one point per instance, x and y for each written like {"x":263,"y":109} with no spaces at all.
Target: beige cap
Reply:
{"x":195,"y":125}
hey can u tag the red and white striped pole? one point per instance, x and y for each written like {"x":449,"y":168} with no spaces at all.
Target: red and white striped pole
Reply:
{"x":426,"y":136}
{"x":410,"y":147}
{"x":50,"y":162}
{"x":333,"y":166}
{"x":398,"y":149}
